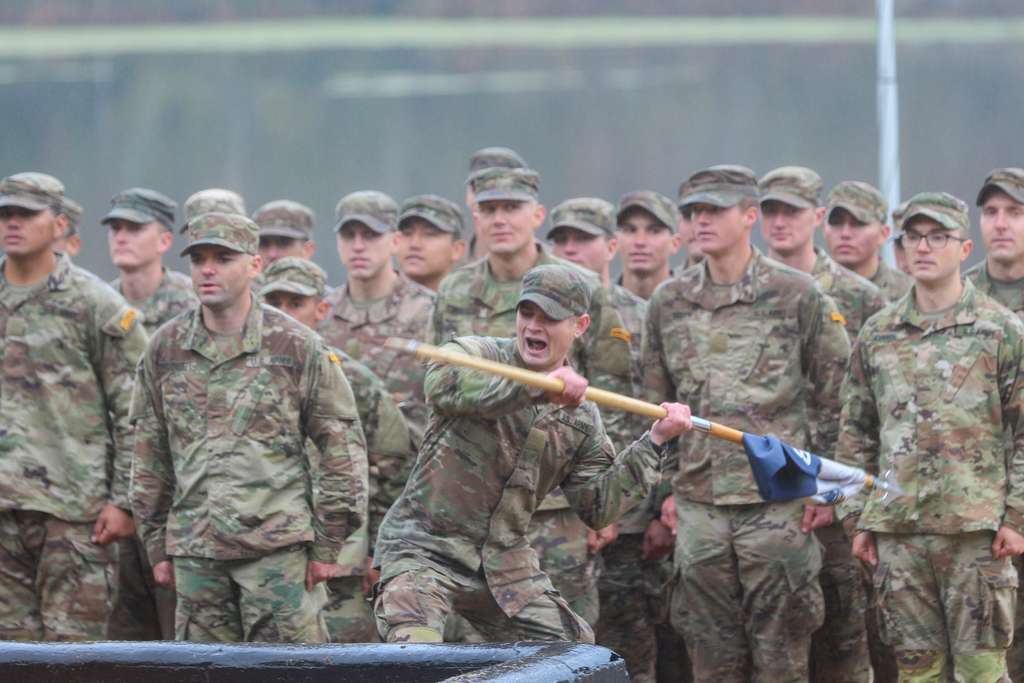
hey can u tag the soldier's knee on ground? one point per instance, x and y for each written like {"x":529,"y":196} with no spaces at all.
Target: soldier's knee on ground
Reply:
{"x":921,"y":666}
{"x":981,"y":667}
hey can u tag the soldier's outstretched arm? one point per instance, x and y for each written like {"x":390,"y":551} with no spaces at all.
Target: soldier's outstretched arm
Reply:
{"x":603,"y":486}
{"x":453,"y":390}
{"x":331,"y":421}
{"x":152,"y":472}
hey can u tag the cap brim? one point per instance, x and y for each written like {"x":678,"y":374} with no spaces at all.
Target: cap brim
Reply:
{"x":504,"y":196}
{"x":371,"y":222}
{"x":293,"y":233}
{"x":551,"y":308}
{"x":859,"y":212}
{"x":788,"y":199}
{"x":22,"y":202}
{"x":582,"y":226}
{"x":940,"y":218}
{"x":212,"y":242}
{"x":1015,"y":193}
{"x":723,"y":200}
{"x":289,"y":288}
{"x":651,"y":210}
{"x":130,"y":215}
{"x":429,"y":219}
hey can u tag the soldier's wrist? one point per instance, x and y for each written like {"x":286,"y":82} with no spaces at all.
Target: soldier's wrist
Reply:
{"x":850,"y":523}
{"x":325,"y":553}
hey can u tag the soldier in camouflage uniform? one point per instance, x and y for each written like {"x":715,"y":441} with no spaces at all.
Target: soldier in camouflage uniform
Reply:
{"x":791,"y":212}
{"x":758,"y":345}
{"x":429,"y":242}
{"x":646,"y":225}
{"x":71,"y":242}
{"x":227,"y":398}
{"x":480,"y":299}
{"x":377,"y":302}
{"x":140,"y":230}
{"x":69,"y":345}
{"x":583,"y":232}
{"x":935,"y":393}
{"x":482,"y":159}
{"x":456,"y":538}
{"x":286,"y":229}
{"x":855,"y":230}
{"x":297,"y":287}
{"x":1001,"y":276}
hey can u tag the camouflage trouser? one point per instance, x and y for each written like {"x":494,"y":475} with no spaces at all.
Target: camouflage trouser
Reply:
{"x":942,"y":598}
{"x":1015,"y":655}
{"x":142,"y":610}
{"x":626,"y":626}
{"x":747,"y":597}
{"x":560,"y":539}
{"x":55,"y":584}
{"x":262,"y":599}
{"x":839,"y":649}
{"x":414,"y":606}
{"x":348,"y":615}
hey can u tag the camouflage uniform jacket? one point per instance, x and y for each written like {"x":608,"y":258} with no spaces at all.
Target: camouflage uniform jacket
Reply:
{"x":471,"y":301}
{"x":362,"y":331}
{"x":765,"y":355}
{"x":221,"y":467}
{"x":632,"y":309}
{"x":68,"y":353}
{"x":930,"y":400}
{"x":1011,"y":297}
{"x":174,"y":295}
{"x":493,"y":450}
{"x":893,"y":283}
{"x":856,"y":298}
{"x":389,"y":453}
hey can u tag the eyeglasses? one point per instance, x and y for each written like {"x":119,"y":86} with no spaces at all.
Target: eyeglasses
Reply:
{"x":935,"y":240}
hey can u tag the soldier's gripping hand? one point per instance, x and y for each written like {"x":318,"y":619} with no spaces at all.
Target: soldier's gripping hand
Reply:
{"x":659,"y":540}
{"x":112,"y":524}
{"x":864,"y":548}
{"x":668,"y":514}
{"x":575,"y":387}
{"x":678,"y":421}
{"x":1008,"y":543}
{"x":597,"y":540}
{"x":320,"y":571}
{"x":163,"y":573}
{"x":815,"y":517}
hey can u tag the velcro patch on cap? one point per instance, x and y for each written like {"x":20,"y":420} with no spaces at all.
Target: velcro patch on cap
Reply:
{"x":621,"y":333}
{"x":128,"y":319}
{"x":838,"y":317}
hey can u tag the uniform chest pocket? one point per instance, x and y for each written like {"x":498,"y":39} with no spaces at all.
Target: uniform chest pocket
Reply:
{"x":971,"y":370}
{"x":524,"y":475}
{"x":184,"y":400}
{"x":266,"y":408}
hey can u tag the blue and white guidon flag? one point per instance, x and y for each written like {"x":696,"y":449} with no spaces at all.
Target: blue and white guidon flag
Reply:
{"x":786,"y":473}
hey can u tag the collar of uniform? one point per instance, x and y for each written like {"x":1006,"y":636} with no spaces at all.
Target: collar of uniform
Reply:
{"x":705,"y":294}
{"x":201,"y":341}
{"x":385,"y":309}
{"x":488,"y":292}
{"x":961,"y":314}
{"x":57,"y":280}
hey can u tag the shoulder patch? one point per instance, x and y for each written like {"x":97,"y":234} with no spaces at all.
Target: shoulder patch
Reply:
{"x":837,"y":317}
{"x":621,"y":333}
{"x":333,"y":357}
{"x":128,"y":319}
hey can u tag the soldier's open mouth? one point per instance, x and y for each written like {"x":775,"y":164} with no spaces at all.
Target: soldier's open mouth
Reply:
{"x":536,"y":344}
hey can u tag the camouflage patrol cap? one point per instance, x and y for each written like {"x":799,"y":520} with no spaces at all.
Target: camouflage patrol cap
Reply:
{"x":724,"y":186}
{"x":285,"y":218}
{"x":511,"y":184}
{"x":73,"y":210}
{"x":442,"y":213}
{"x":376,"y":210}
{"x":587,"y":214}
{"x":560,"y":290}
{"x":658,"y":205}
{"x":32,"y":191}
{"x":141,"y":205}
{"x":294,"y":275}
{"x":495,"y":157}
{"x":230,"y":230}
{"x":1009,"y":180}
{"x":863,"y":201}
{"x":796,"y":186}
{"x":213,"y":199}
{"x":941,"y":207}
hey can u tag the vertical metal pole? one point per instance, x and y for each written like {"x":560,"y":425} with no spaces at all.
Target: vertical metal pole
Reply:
{"x":888,"y":113}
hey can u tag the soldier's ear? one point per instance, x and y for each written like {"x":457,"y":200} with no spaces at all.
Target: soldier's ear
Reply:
{"x":308,"y":249}
{"x":540,"y":212}
{"x":582,"y":325}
